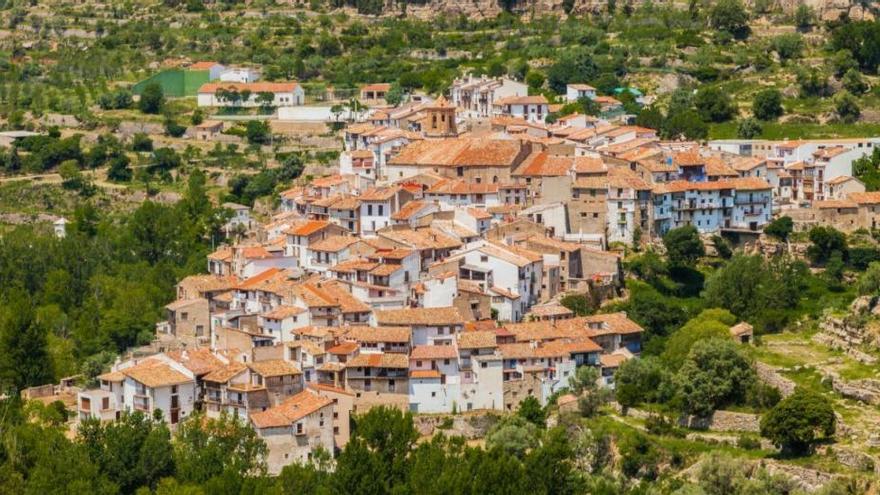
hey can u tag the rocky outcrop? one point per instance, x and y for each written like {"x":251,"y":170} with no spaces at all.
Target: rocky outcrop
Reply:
{"x":481,"y":9}
{"x":854,"y":459}
{"x":853,"y":332}
{"x":866,"y":390}
{"x":809,"y":480}
{"x":469,"y":426}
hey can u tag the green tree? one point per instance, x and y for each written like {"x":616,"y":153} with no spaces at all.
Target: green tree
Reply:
{"x":767,"y":104}
{"x":854,"y":82}
{"x":580,"y":304}
{"x":584,"y":379}
{"x":119,"y":170}
{"x":788,"y":46}
{"x":643,"y":380}
{"x":730,"y":16}
{"x":711,"y":323}
{"x":133,"y":451}
{"x":714,"y":105}
{"x":683,"y":246}
{"x":141,"y":142}
{"x":847,"y":107}
{"x":869,"y":282}
{"x":206,"y":448}
{"x":548,"y":467}
{"x":257,"y":132}
{"x":749,"y":128}
{"x":685,"y":124}
{"x":825,"y":240}
{"x":173,"y":129}
{"x":716,"y":373}
{"x":24,"y":352}
{"x":513,"y":435}
{"x":71,"y":177}
{"x":841,"y":63}
{"x":780,"y":228}
{"x":722,"y":247}
{"x":390,"y":434}
{"x":651,"y":117}
{"x":804,"y":17}
{"x":535,"y":80}
{"x":749,"y":286}
{"x":657,"y":314}
{"x":812,"y":82}
{"x":530,"y":410}
{"x":834,"y":270}
{"x":395,"y":94}
{"x":862,"y":40}
{"x":152,"y":99}
{"x":798,"y":421}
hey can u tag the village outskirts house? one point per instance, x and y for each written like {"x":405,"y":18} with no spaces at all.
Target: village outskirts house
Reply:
{"x":248,"y":95}
{"x":294,"y":429}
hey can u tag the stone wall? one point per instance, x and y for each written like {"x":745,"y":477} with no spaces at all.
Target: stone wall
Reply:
{"x":719,"y":421}
{"x":724,"y":421}
{"x":771,"y":376}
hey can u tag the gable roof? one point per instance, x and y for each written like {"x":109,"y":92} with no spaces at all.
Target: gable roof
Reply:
{"x":291,"y":410}
{"x":256,"y":87}
{"x":420,"y":316}
{"x":460,"y":151}
{"x":154,"y":373}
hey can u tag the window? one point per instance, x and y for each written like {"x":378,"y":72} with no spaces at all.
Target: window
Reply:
{"x":105,"y":403}
{"x":184,"y":316}
{"x":433,"y":394}
{"x":174,"y":389}
{"x":446,"y":361}
{"x":418,"y":363}
{"x":299,"y":428}
{"x":484,"y":365}
{"x":369,"y":209}
{"x":484,"y":259}
{"x":380,"y":210}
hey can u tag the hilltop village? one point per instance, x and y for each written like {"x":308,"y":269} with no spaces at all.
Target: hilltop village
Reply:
{"x":428,"y":274}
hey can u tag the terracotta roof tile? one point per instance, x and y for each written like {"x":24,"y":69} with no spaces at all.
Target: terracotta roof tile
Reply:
{"x":419,"y":316}
{"x":291,"y":410}
{"x":478,"y":339}
{"x":226,"y":373}
{"x":155,"y":373}
{"x":379,"y":360}
{"x":256,"y":87}
{"x":429,"y":352}
{"x":334,"y":243}
{"x":424,"y":374}
{"x":274,"y":367}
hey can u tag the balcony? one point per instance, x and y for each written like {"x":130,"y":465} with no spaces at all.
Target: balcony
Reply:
{"x":750,"y":201}
{"x":141,"y":404}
